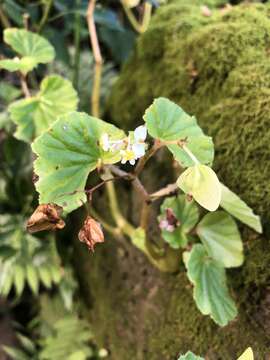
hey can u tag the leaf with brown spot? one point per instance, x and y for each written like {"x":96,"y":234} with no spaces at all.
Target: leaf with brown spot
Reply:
{"x":46,"y":217}
{"x":91,"y":233}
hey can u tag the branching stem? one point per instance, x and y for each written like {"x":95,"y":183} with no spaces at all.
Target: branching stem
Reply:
{"x":140,"y":28}
{"x":120,"y":221}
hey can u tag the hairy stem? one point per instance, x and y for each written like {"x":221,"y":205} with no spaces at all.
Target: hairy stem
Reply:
{"x":95,"y":97}
{"x":24,"y":86}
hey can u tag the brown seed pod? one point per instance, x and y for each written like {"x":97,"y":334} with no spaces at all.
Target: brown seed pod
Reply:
{"x":91,"y":233}
{"x":46,"y":217}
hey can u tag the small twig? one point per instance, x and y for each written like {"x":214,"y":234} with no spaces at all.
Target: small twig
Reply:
{"x":95,"y":98}
{"x":4,"y":19}
{"x":133,"y":178}
{"x":166,"y":191}
{"x":46,"y":11}
{"x":24,"y":86}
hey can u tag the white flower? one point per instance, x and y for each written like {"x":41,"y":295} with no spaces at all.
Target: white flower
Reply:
{"x":140,"y":134}
{"x":104,"y":142}
{"x":128,"y":155}
{"x":138,"y":146}
{"x":131,"y":148}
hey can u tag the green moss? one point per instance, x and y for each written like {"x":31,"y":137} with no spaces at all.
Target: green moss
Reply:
{"x":218,"y":69}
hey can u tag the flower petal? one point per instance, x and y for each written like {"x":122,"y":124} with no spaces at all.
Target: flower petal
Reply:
{"x":139,"y":150}
{"x":104,"y":142}
{"x":140,"y":133}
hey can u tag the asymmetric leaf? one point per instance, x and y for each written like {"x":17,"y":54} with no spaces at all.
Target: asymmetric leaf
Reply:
{"x":190,"y":356}
{"x":219,"y":234}
{"x":34,"y":115}
{"x":210,"y":290}
{"x":67,"y":153}
{"x":239,"y":209}
{"x":202,"y":183}
{"x":33,"y":49}
{"x":187,"y":214}
{"x":247,"y":355}
{"x":168,"y":122}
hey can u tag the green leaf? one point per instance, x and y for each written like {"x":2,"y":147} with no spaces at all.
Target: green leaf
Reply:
{"x":247,"y":355}
{"x":35,"y":115}
{"x":19,"y":279}
{"x":9,"y":92}
{"x":166,"y":121}
{"x":6,"y":278}
{"x":56,"y":273}
{"x":67,"y":153}
{"x":45,"y":275}
{"x":202,"y":183}
{"x":26,"y":343}
{"x":32,"y":48}
{"x":190,"y":356}
{"x":219,"y":234}
{"x":187,"y":213}
{"x":14,"y":353}
{"x":239,"y":209}
{"x":210,"y":290}
{"x":32,"y":278}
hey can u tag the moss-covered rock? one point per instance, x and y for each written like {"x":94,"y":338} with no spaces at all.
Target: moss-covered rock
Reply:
{"x":217,"y":68}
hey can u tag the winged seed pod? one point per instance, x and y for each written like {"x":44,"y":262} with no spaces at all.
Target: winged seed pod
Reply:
{"x":46,"y":217}
{"x":91,"y":233}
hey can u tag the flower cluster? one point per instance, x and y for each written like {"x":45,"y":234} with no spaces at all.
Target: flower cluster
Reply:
{"x":131,"y":148}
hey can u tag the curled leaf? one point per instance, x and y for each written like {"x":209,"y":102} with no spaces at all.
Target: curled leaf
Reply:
{"x":91,"y":233}
{"x":202,"y":183}
{"x":46,"y":217}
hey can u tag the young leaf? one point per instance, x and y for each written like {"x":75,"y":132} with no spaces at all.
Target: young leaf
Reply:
{"x":239,"y":209}
{"x":32,"y":48}
{"x":247,"y":355}
{"x":19,"y":278}
{"x":34,"y":115}
{"x":168,"y":122}
{"x":32,"y":278}
{"x":210,"y":290}
{"x":202,"y":183}
{"x":190,"y":356}
{"x":67,"y":153}
{"x":187,"y":214}
{"x":219,"y":234}
{"x":45,"y":275}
